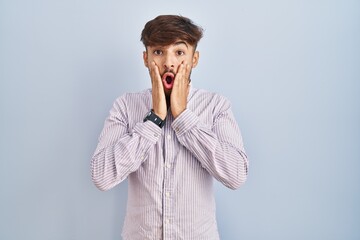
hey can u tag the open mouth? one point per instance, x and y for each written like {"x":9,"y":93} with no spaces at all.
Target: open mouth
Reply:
{"x":168,"y":80}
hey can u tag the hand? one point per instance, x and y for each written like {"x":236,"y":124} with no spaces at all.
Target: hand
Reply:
{"x":158,"y":95}
{"x":180,"y":90}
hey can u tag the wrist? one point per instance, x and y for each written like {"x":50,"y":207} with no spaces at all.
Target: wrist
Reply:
{"x":177,"y":112}
{"x":153,"y":117}
{"x":162,"y":116}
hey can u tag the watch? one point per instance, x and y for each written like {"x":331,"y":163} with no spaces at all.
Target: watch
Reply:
{"x":151,"y":116}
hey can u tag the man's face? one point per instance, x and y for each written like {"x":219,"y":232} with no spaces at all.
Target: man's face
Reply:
{"x":168,"y":59}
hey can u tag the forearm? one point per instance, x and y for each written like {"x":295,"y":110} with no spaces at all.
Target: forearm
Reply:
{"x":119,"y":154}
{"x":219,"y":149}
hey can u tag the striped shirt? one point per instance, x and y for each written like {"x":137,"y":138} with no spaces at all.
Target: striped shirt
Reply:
{"x":170,"y":170}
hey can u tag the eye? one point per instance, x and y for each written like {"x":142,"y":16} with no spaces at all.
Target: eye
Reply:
{"x":180,"y":53}
{"x":158,"y":52}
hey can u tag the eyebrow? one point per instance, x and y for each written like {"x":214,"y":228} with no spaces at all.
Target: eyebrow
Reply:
{"x":181,"y":42}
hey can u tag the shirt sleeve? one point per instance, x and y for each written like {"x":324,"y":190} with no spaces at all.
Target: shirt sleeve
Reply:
{"x":219,"y":148}
{"x":121,"y":151}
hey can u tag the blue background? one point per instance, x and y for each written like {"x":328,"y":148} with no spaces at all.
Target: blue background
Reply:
{"x":290,"y":68}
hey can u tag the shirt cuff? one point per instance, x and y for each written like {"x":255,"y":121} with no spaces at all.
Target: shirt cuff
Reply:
{"x":184,"y":122}
{"x":148,"y":130}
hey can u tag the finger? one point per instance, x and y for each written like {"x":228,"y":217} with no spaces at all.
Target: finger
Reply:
{"x":181,"y":74}
{"x":153,"y":69}
{"x":154,"y":73}
{"x":188,"y":82}
{"x":187,"y":73}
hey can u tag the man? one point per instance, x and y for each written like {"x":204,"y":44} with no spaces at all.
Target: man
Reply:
{"x":170,"y":157}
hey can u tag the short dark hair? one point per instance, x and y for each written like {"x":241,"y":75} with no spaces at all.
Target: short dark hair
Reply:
{"x":167,"y":29}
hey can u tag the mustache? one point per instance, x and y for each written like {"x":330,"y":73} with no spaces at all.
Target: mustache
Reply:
{"x":169,"y":71}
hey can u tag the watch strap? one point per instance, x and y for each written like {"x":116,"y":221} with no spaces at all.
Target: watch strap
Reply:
{"x":151,"y":116}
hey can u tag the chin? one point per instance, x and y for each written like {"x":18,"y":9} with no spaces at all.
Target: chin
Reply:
{"x":167,"y":92}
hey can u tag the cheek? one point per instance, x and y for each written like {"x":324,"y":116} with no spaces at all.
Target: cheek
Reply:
{"x":156,"y":60}
{"x":189,"y":60}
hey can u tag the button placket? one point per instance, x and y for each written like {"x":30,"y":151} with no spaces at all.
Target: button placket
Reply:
{"x":169,"y":150}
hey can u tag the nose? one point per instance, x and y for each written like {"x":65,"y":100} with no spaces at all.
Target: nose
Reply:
{"x":169,"y":62}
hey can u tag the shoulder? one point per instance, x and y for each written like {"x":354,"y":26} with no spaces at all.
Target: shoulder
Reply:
{"x":208,"y":94}
{"x":212,"y":98}
{"x":132,"y":100}
{"x":134,"y":97}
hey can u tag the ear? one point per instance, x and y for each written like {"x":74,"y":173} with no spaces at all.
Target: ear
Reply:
{"x":145,"y":57}
{"x":195,"y":59}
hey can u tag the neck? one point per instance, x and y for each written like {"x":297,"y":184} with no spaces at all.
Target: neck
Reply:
{"x":167,"y":102}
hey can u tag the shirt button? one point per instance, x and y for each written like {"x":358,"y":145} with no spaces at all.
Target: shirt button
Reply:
{"x":156,"y":135}
{"x":168,"y":165}
{"x":167,"y":194}
{"x":169,"y":136}
{"x":176,"y":129}
{"x":167,"y":221}
{"x":142,"y":157}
